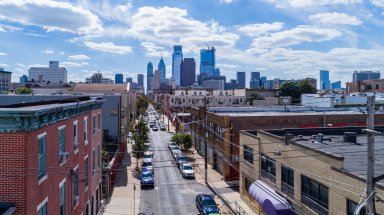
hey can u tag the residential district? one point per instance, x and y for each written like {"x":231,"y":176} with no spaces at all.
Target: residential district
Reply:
{"x":190,"y":144}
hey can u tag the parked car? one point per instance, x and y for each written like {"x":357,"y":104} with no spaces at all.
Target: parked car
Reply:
{"x":180,"y":159}
{"x":206,"y":204}
{"x":175,"y":152}
{"x":155,"y":128}
{"x":162,"y":127}
{"x":171,"y":145}
{"x":187,"y":170}
{"x":152,"y":123}
{"x":147,"y":165}
{"x":147,"y":179}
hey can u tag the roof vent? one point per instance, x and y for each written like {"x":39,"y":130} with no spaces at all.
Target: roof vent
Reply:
{"x":349,"y":137}
{"x":320,"y":137}
{"x":288,"y":138}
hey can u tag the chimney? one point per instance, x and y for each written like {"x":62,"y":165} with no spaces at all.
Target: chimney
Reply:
{"x":320,"y":138}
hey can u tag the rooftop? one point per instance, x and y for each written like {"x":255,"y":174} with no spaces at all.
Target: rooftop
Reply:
{"x":283,"y":113}
{"x":336,"y":144}
{"x":81,"y":87}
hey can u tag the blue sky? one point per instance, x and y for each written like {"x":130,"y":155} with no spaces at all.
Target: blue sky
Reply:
{"x":286,"y":39}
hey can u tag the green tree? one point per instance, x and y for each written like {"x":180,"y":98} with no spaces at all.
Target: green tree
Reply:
{"x":142,"y":104}
{"x":140,"y":136}
{"x":289,"y":89}
{"x":23,"y":90}
{"x":306,"y":88}
{"x":187,"y":141}
{"x":178,"y":139}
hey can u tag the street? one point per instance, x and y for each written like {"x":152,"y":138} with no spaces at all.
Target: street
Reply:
{"x":172,"y":193}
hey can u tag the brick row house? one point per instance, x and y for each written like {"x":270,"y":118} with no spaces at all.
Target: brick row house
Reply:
{"x":51,"y":157}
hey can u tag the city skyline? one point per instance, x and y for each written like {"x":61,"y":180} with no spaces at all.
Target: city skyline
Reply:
{"x":106,"y":36}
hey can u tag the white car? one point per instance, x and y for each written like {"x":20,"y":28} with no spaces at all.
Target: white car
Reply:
{"x":175,"y":152}
{"x":187,"y":171}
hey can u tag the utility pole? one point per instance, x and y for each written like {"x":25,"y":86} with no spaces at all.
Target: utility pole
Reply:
{"x":371,"y":154}
{"x":205,"y":142}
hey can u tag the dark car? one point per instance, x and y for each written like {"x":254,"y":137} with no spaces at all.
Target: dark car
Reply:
{"x":146,"y":179}
{"x":206,"y":204}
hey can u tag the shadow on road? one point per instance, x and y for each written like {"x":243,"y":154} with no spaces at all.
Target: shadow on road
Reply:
{"x":122,"y":175}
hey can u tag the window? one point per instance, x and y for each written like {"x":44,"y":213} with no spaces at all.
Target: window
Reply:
{"x":86,"y":130}
{"x":62,"y":199}
{"x":114,"y":112}
{"x":43,"y":209}
{"x":287,"y":179}
{"x":86,"y":169}
{"x":377,"y":86}
{"x":314,"y":195}
{"x":93,"y":124}
{"x":75,"y":136}
{"x":93,"y":162}
{"x":42,"y":157}
{"x":98,"y":156}
{"x":248,"y":154}
{"x":268,"y":168}
{"x":76,"y":186}
{"x":62,"y":140}
{"x":98,"y":120}
{"x":352,"y":206}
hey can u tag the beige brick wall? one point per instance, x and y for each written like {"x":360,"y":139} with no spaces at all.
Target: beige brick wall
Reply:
{"x":313,"y":164}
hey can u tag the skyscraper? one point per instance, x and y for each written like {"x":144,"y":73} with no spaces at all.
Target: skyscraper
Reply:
{"x":336,"y":85}
{"x":325,"y":83}
{"x":255,"y":76}
{"x":188,"y":72}
{"x":207,"y":62}
{"x":217,"y":72}
{"x":54,"y":73}
{"x":149,"y":77}
{"x":156,"y":80}
{"x":129,"y":80}
{"x":162,"y":69}
{"x":177,"y":57}
{"x":119,"y":78}
{"x":365,"y":75}
{"x":140,"y":80}
{"x":240,"y":78}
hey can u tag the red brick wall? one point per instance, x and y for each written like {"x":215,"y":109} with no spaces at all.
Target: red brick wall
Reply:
{"x":23,"y":148}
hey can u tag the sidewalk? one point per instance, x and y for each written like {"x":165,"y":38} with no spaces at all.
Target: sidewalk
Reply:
{"x":215,"y":180}
{"x":125,"y":198}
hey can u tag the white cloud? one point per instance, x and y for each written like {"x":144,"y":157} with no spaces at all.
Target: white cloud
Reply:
{"x":108,"y":11}
{"x":335,"y":19}
{"x":3,"y":54}
{"x":37,"y":65}
{"x":295,"y":36}
{"x":308,"y":3}
{"x":108,"y":47}
{"x":255,"y":30}
{"x":70,"y":64}
{"x":50,"y":15}
{"x":62,"y":53}
{"x":378,"y":3}
{"x":47,"y":51}
{"x":78,"y":57}
{"x":152,"y":50}
{"x":226,"y":1}
{"x":3,"y":65}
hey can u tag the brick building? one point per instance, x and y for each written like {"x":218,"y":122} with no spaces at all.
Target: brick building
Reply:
{"x":51,"y":157}
{"x":365,"y":86}
{"x":224,"y":125}
{"x":308,"y":171}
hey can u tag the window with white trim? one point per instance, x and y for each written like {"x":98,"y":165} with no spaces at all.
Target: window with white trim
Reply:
{"x":86,"y":174}
{"x":42,"y":157}
{"x":85,"y":130}
{"x":93,"y":124}
{"x":75,"y":136}
{"x":76,"y":186}
{"x":93,"y":162}
{"x":98,"y":120}
{"x":62,"y":198}
{"x":42,"y":207}
{"x":62,"y":140}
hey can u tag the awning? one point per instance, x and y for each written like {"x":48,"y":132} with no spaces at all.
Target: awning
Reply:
{"x":272,"y":203}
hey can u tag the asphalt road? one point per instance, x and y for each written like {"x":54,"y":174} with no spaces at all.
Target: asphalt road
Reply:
{"x":172,"y":195}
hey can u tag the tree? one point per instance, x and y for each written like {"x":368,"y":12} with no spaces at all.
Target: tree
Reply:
{"x":178,"y":139}
{"x":142,"y":104}
{"x":23,"y":90}
{"x":306,"y":88}
{"x":140,"y":136}
{"x":187,"y":141}
{"x":290,"y":89}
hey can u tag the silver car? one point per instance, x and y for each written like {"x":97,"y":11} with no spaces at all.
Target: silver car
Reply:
{"x":187,"y":171}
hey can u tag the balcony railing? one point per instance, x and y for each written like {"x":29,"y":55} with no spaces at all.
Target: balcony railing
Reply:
{"x":268,"y":176}
{"x":288,"y":189}
{"x":313,"y":205}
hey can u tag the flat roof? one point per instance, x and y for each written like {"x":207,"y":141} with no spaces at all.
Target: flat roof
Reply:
{"x":353,"y":154}
{"x":277,"y":113}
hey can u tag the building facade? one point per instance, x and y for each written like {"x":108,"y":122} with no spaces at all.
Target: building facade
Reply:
{"x":207,"y":62}
{"x":365,"y":75}
{"x":240,"y":77}
{"x":162,"y":68}
{"x":5,"y":81}
{"x":53,"y":157}
{"x":336,"y":85}
{"x":149,"y":77}
{"x":188,"y":72}
{"x":53,"y":73}
{"x":97,"y":78}
{"x":177,"y":58}
{"x":308,"y":171}
{"x":156,"y":80}
{"x":119,"y":78}
{"x":365,"y":86}
{"x":325,"y":83}
{"x":140,"y":80}
{"x":23,"y":79}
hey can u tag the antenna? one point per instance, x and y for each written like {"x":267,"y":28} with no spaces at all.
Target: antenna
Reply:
{"x":207,"y":45}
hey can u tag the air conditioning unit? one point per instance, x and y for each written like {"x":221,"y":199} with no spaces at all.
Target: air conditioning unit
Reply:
{"x":64,"y":156}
